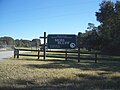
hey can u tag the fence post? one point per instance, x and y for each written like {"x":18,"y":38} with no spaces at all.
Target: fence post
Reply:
{"x":95,"y":57}
{"x":66,"y":54}
{"x":38,"y":53}
{"x":17,"y":53}
{"x":14,"y":52}
{"x":79,"y":46}
{"x":44,"y":46}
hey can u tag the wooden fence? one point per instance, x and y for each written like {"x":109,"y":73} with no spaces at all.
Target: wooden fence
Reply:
{"x":66,"y":54}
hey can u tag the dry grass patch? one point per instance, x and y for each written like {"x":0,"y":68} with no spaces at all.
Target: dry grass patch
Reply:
{"x":59,"y":74}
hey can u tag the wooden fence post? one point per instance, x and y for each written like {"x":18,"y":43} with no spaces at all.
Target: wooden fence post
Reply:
{"x":38,"y":53}
{"x":66,"y":54}
{"x":95,"y":57}
{"x":14,"y":52}
{"x":44,"y":46}
{"x":78,"y":40}
{"x":17,"y":53}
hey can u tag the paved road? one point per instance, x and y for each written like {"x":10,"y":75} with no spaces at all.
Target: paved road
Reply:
{"x":4,"y":55}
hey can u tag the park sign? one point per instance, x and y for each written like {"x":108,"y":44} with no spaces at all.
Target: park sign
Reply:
{"x":61,"y":41}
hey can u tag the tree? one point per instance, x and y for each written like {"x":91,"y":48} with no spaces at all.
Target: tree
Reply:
{"x":36,"y":43}
{"x":17,"y":43}
{"x":91,"y":38}
{"x":109,"y":17}
{"x":7,"y":41}
{"x":22,"y":43}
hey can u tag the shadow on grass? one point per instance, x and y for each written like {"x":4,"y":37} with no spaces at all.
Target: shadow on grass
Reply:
{"x":28,"y":59}
{"x":87,"y":82}
{"x":62,"y":64}
{"x":83,"y":82}
{"x":25,"y":82}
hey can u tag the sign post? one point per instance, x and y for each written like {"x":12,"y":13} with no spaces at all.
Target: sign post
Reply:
{"x":44,"y":46}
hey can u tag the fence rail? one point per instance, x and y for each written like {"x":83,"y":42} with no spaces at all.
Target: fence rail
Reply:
{"x":66,"y":54}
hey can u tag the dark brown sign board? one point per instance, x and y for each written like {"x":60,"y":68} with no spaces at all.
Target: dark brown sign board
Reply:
{"x":61,"y":41}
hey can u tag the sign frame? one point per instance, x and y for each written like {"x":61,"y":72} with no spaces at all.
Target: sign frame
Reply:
{"x":61,"y":41}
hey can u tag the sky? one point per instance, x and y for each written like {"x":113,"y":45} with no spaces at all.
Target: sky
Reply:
{"x":29,"y":19}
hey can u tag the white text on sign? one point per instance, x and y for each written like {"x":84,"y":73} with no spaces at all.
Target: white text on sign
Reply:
{"x":61,"y":41}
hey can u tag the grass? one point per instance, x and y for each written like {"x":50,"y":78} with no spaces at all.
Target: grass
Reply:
{"x":26,"y":73}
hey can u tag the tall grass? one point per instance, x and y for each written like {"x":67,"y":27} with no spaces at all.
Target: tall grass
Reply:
{"x":57,"y":74}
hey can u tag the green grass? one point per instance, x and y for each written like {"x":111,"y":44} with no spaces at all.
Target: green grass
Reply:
{"x":32,"y":74}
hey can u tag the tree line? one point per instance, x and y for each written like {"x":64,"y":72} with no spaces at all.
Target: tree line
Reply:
{"x":106,"y":36}
{"x":19,"y":43}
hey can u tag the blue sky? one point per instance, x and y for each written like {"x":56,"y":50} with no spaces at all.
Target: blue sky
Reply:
{"x":28,"y":19}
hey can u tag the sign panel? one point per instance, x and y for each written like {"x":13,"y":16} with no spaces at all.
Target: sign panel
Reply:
{"x":61,"y":41}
